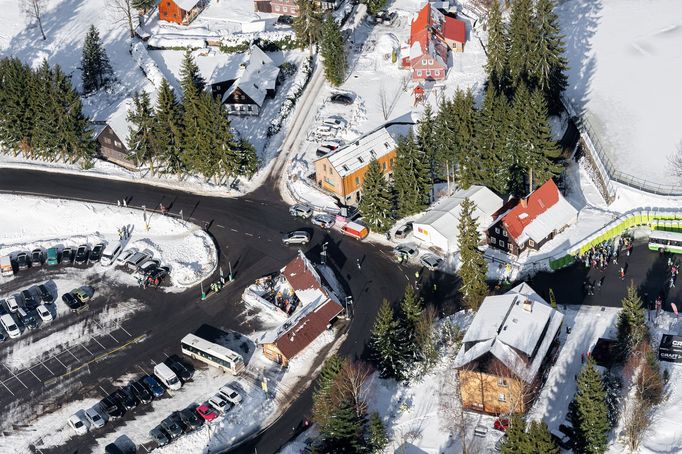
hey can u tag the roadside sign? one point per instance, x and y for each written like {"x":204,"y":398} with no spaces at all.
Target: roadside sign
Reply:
{"x":670,"y":349}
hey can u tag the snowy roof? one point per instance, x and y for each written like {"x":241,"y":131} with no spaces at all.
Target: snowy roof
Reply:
{"x":360,"y":152}
{"x":259,"y":76}
{"x":560,"y":214}
{"x":305,"y":281}
{"x":444,"y":217}
{"x":229,"y":71}
{"x":517,"y":328}
{"x":119,"y":121}
{"x":187,"y":5}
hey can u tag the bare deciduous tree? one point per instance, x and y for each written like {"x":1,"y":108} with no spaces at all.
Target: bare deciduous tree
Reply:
{"x":675,"y":161}
{"x":122,"y":11}
{"x":34,"y":10}
{"x":351,"y":382}
{"x":383,"y":101}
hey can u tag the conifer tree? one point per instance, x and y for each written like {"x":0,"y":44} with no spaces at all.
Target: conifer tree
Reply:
{"x":247,"y":158}
{"x":141,"y":131}
{"x":473,"y":267}
{"x":386,"y":344}
{"x":167,"y":130}
{"x":411,"y":178}
{"x":374,"y":6}
{"x":143,"y":5}
{"x":308,"y":24}
{"x":489,"y":162}
{"x":540,"y":440}
{"x":376,"y":438}
{"x":376,"y":204}
{"x":45,"y":134}
{"x":16,"y":109}
{"x":544,"y":148}
{"x":522,"y":39}
{"x":498,"y":45}
{"x":631,"y":324}
{"x":323,"y":397}
{"x":194,"y":140}
{"x":95,"y":66}
{"x":427,"y":141}
{"x":410,"y":315}
{"x":591,"y":411}
{"x":517,"y":439}
{"x":465,"y":119}
{"x":333,"y":51}
{"x":190,"y":77}
{"x":549,"y":62}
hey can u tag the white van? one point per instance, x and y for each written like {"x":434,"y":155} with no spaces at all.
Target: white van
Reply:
{"x":12,"y":303}
{"x":6,"y":266}
{"x":110,"y":253}
{"x":167,"y":377}
{"x":10,"y":326}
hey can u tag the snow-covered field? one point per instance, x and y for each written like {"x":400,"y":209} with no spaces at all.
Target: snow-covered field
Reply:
{"x":624,"y":72}
{"x":31,"y":222}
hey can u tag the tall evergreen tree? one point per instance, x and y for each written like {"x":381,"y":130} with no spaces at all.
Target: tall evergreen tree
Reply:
{"x":411,"y":177}
{"x":95,"y":66}
{"x":549,"y":62}
{"x":247,"y":158}
{"x":473,"y":266}
{"x":427,"y":141}
{"x":45,"y":104}
{"x":387,"y":346}
{"x":141,"y":131}
{"x":308,"y":23}
{"x":489,"y":162}
{"x":410,"y":315}
{"x":540,"y":439}
{"x":376,"y":204}
{"x":16,"y":108}
{"x":517,"y":441}
{"x":454,"y":133}
{"x":591,"y":411}
{"x":374,"y":6}
{"x":167,"y":130}
{"x":542,"y":148}
{"x":522,"y":39}
{"x":376,"y":437}
{"x":498,"y":46}
{"x":631,"y":324}
{"x":333,"y":51}
{"x":190,"y":77}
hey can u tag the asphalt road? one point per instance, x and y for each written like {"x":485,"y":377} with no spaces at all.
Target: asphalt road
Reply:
{"x":247,"y":231}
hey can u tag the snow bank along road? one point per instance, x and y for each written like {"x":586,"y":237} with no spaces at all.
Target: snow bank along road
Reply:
{"x":247,"y":231}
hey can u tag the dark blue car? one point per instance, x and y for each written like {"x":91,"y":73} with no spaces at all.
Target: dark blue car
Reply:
{"x":154,"y":386}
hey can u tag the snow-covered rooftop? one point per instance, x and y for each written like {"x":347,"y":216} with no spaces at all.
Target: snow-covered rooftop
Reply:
{"x":558,"y":215}
{"x":360,"y":152}
{"x":187,"y":5}
{"x":259,"y":76}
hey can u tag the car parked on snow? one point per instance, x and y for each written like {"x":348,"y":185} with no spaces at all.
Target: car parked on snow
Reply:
{"x":324,"y":220}
{"x":96,"y":253}
{"x":341,"y":98}
{"x":79,"y":424}
{"x":44,"y":314}
{"x":403,"y":231}
{"x":179,"y":368}
{"x":12,"y":303}
{"x":95,"y":417}
{"x":431,"y":261}
{"x":37,"y":257}
{"x":219,"y":403}
{"x":171,"y":426}
{"x":27,"y":318}
{"x":125,"y":255}
{"x":82,"y":254}
{"x":10,"y":326}
{"x":301,"y":210}
{"x":296,"y":237}
{"x":68,"y":256}
{"x":112,"y":407}
{"x":160,"y":436}
{"x":153,"y":385}
{"x":191,"y":419}
{"x":406,"y":250}
{"x":335,"y":121}
{"x":23,"y":261}
{"x":138,"y":259}
{"x":141,"y":392}
{"x":45,"y":294}
{"x":52,"y":256}
{"x":207,"y":413}
{"x":230,"y":394}
{"x":74,"y":303}
{"x":110,"y":253}
{"x":128,"y":401}
{"x":29,"y":302}
{"x":82,"y":294}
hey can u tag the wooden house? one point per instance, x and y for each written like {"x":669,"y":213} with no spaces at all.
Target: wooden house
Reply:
{"x":180,"y":11}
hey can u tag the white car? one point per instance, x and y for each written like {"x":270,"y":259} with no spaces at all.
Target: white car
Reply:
{"x":110,"y":253}
{"x":79,"y":424}
{"x":125,"y":255}
{"x":95,"y":417}
{"x":296,"y":237}
{"x":12,"y":304}
{"x":230,"y":394}
{"x":219,"y":403}
{"x":44,"y":314}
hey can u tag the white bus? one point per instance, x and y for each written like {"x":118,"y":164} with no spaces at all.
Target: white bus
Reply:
{"x":213,"y":354}
{"x":666,"y":241}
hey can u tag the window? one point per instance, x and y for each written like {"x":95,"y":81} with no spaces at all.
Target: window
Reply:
{"x":437,"y":72}
{"x":391,"y":163}
{"x":497,"y":230}
{"x":324,"y":167}
{"x":117,"y":143}
{"x":501,"y":397}
{"x":277,"y":8}
{"x":357,"y":181}
{"x":504,"y":233}
{"x":493,"y":240}
{"x":531,"y":243}
{"x":510,"y":246}
{"x":430,"y":62}
{"x":107,"y":140}
{"x":501,"y":243}
{"x":502,"y":382}
{"x":384,"y":166}
{"x":419,"y":73}
{"x":286,"y":10}
{"x":328,"y":181}
{"x":424,"y":62}
{"x":428,"y":72}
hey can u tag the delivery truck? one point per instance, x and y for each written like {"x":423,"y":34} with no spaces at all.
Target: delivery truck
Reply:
{"x":355,"y":230}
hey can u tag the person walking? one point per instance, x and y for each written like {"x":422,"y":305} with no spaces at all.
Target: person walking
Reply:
{"x":118,"y":202}
{"x":622,"y":273}
{"x":357,"y":262}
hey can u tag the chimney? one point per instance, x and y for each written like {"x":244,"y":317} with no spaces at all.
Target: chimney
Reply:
{"x":528,"y":306}
{"x":524,"y":202}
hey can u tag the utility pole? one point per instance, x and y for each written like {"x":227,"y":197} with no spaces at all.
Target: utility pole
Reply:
{"x":349,"y":307}
{"x":323,"y":254}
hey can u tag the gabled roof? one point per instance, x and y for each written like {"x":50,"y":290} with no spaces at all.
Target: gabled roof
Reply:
{"x":259,"y":76}
{"x":517,"y":328}
{"x":362,"y":151}
{"x":186,"y":5}
{"x":518,"y":219}
{"x":455,"y":30}
{"x":423,"y":39}
{"x":305,"y":281}
{"x":229,"y":72}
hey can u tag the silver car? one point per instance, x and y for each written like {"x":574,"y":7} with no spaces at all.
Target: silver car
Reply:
{"x":326,"y":221}
{"x":296,"y":237}
{"x":407,"y":250}
{"x":301,"y":210}
{"x":431,"y":261}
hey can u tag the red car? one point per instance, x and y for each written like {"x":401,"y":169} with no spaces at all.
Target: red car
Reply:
{"x":501,"y":424}
{"x":206,"y":412}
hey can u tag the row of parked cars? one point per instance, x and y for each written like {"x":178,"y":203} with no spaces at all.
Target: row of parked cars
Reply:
{"x":146,"y":268}
{"x":170,"y":374}
{"x":24,"y":260}
{"x":405,"y":252}
{"x":193,"y":418}
{"x":25,"y":310}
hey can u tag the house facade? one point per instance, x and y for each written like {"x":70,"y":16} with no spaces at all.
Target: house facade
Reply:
{"x":427,"y":53}
{"x":180,"y":11}
{"x":343,"y":172}
{"x":511,"y":341}
{"x":530,"y":222}
{"x":289,"y":7}
{"x":111,"y":147}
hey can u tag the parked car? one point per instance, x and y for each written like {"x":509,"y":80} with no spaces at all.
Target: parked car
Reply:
{"x":431,"y":261}
{"x":128,"y":401}
{"x":95,"y":417}
{"x":322,"y":151}
{"x":171,"y":427}
{"x":501,"y":424}
{"x":44,"y":314}
{"x":159,"y":436}
{"x":340,"y":98}
{"x":82,"y":254}
{"x":567,"y":430}
{"x":130,"y":392}
{"x":191,"y":419}
{"x":153,"y":385}
{"x":206,"y":412}
{"x":157,"y":275}
{"x":82,"y":294}
{"x":10,"y":326}
{"x":79,"y":424}
{"x":230,"y":394}
{"x":180,"y":369}
{"x":142,"y":393}
{"x":137,"y":259}
{"x":74,"y":303}
{"x":45,"y":294}
{"x":27,"y":318}
{"x":110,"y":253}
{"x":296,"y":237}
{"x":301,"y":210}
{"x":29,"y":302}
{"x":12,"y":303}
{"x":125,"y":255}
{"x":407,"y":250}
{"x":37,"y":257}
{"x":324,"y":220}
{"x":219,"y":403}
{"x":68,"y":255}
{"x":96,"y":253}
{"x":177,"y":419}
{"x":22,"y":261}
{"x":403,"y":231}
{"x":3,"y":307}
{"x":52,"y":256}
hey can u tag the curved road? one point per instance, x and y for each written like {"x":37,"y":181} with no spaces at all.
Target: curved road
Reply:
{"x":247,"y":231}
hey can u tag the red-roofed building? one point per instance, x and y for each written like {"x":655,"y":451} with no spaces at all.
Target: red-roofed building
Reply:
{"x":427,"y":54}
{"x":530,"y":222}
{"x":180,"y":11}
{"x":454,"y":34}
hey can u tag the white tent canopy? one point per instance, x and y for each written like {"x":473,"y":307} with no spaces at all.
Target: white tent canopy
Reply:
{"x":439,"y":226}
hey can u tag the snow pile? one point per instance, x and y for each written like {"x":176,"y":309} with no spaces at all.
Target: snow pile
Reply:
{"x":176,"y":41}
{"x":239,"y":39}
{"x":301,"y":79}
{"x":184,"y":247}
{"x":146,"y":64}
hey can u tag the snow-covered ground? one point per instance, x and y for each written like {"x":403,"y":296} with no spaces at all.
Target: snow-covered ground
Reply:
{"x":624,"y":71}
{"x":31,"y":222}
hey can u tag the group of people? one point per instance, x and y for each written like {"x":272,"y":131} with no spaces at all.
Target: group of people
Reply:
{"x":673,"y":271}
{"x":600,"y":256}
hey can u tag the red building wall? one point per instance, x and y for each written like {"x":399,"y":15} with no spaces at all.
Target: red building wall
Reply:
{"x":171,"y":12}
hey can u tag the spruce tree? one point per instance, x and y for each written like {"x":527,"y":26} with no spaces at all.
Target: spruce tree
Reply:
{"x":427,"y":141}
{"x":517,"y":439}
{"x":387,"y":345}
{"x":473,"y":267}
{"x":631,"y":324}
{"x":167,"y":130}
{"x":549,"y":62}
{"x":194,"y":139}
{"x":95,"y":67}
{"x":324,"y":397}
{"x":344,"y":433}
{"x":247,"y":158}
{"x":16,"y":108}
{"x":308,"y":24}
{"x":540,"y":440}
{"x":522,"y":39}
{"x":333,"y":51}
{"x":190,"y":77}
{"x":374,"y":6}
{"x":410,"y":315}
{"x":411,"y":178}
{"x":498,"y":46}
{"x":376,"y":204}
{"x":591,"y":411}
{"x":376,"y":438}
{"x":45,"y":134}
{"x":141,"y":131}
{"x":488,"y":164}
{"x":543,"y":148}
